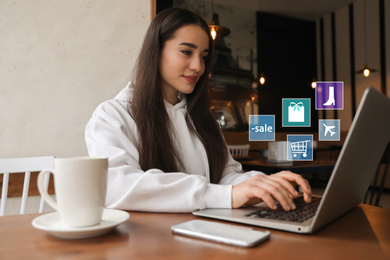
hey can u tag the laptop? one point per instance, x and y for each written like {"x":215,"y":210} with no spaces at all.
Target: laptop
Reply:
{"x":358,"y":161}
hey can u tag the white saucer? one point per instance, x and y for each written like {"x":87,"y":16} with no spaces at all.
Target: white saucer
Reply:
{"x":51,"y":223}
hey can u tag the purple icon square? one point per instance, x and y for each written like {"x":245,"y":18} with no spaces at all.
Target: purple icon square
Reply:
{"x":330,"y":95}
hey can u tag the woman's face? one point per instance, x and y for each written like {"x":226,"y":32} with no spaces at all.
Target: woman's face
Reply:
{"x":182,"y":61}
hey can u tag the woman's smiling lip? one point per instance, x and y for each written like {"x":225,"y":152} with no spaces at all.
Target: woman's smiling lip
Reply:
{"x":190,"y":79}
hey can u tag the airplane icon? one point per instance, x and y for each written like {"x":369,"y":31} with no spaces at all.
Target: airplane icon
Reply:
{"x":327,"y":129}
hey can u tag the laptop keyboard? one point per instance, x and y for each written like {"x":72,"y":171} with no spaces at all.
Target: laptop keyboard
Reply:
{"x":303,"y":211}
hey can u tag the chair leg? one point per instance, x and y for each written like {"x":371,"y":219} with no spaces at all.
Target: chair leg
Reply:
{"x":381,"y":185}
{"x":372,"y":189}
{"x":375,"y":187}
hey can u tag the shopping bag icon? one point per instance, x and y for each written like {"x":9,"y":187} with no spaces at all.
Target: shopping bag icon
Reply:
{"x":296,"y":112}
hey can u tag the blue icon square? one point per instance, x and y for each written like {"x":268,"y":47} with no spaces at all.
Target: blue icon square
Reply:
{"x":300,"y":147}
{"x":329,"y":95}
{"x":296,"y":112}
{"x":261,"y":127}
{"x":329,"y":130}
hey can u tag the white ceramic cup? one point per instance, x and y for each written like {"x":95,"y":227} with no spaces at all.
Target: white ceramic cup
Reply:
{"x":80,"y":185}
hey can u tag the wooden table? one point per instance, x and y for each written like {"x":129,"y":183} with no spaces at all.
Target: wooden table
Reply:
{"x":363,"y":233}
{"x":300,"y":167}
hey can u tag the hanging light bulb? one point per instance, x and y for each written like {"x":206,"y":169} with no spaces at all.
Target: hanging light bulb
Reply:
{"x":216,"y":30}
{"x":313,"y":84}
{"x":213,"y":30}
{"x":262,"y":79}
{"x":213,"y":34}
{"x":366,"y":70}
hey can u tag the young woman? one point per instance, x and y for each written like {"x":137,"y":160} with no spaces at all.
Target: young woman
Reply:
{"x":166,"y":152}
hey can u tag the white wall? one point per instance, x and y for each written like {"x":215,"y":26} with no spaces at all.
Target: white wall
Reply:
{"x":58,"y":61}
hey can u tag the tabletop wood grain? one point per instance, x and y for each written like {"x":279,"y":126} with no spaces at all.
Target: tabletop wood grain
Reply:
{"x":363,"y":233}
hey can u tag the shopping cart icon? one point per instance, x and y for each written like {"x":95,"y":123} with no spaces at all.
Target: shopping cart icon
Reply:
{"x":299,"y":148}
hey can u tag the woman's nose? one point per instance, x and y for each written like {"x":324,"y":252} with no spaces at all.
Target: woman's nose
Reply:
{"x":196,"y":64}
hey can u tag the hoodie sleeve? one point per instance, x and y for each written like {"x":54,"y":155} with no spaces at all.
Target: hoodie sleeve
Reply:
{"x":112,"y":133}
{"x":233,"y":173}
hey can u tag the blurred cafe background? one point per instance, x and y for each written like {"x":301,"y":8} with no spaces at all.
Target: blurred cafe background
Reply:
{"x":59,"y":60}
{"x":267,"y":50}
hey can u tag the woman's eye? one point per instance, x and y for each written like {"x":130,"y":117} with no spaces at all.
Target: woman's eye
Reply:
{"x":186,"y":53}
{"x":204,"y":58}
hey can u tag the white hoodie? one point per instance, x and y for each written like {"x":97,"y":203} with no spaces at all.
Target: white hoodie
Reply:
{"x":112,"y":133}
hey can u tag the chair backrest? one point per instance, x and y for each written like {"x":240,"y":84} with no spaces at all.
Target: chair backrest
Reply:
{"x":26,"y":166}
{"x":239,"y":150}
{"x":378,"y":183}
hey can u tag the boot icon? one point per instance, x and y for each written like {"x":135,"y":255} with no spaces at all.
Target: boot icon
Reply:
{"x":331,"y":100}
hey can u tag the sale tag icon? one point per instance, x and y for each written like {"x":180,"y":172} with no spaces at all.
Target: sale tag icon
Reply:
{"x":261,"y":127}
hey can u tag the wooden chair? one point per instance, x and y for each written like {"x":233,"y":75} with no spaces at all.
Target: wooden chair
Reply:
{"x":239,"y":150}
{"x":26,"y":166}
{"x":378,"y":184}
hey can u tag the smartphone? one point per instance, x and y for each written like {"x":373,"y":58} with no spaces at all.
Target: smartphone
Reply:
{"x":223,"y":233}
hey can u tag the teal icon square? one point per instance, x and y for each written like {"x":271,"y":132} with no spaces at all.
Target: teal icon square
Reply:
{"x":261,"y":127}
{"x":296,"y":112}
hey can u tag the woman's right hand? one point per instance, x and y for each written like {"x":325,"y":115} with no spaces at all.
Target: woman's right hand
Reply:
{"x":268,"y":188}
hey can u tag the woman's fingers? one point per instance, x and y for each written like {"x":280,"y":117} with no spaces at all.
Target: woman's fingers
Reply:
{"x":296,"y":180}
{"x":279,"y":187}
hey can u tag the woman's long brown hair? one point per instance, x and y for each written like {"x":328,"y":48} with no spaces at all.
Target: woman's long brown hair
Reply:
{"x":156,"y":146}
